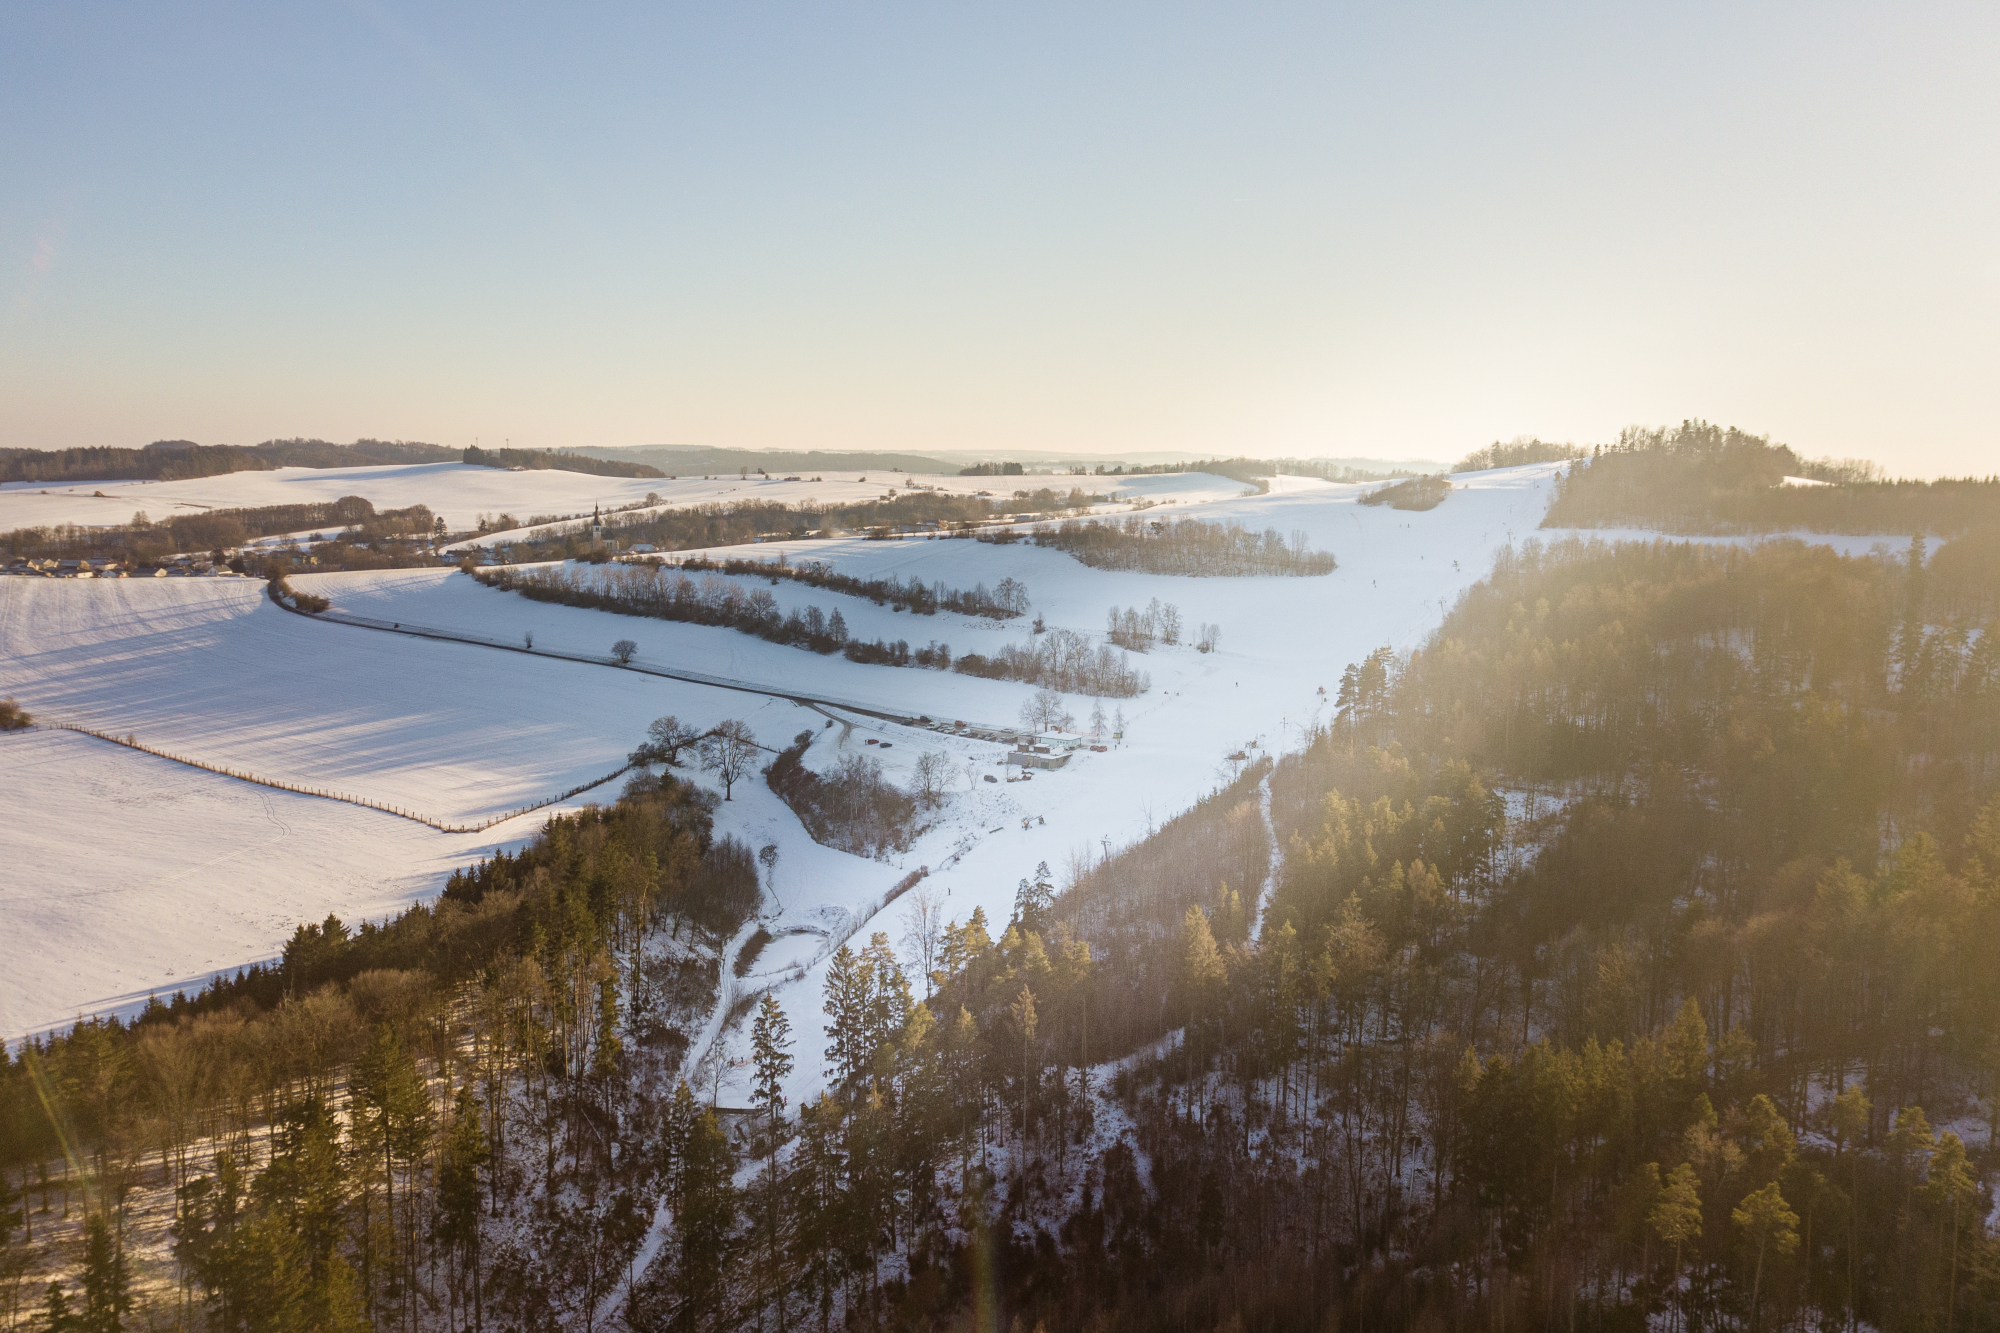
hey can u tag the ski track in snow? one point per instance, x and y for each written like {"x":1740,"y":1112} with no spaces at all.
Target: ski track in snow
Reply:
{"x":125,"y":874}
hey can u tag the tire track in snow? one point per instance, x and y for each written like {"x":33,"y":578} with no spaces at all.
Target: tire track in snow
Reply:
{"x":1270,"y":884}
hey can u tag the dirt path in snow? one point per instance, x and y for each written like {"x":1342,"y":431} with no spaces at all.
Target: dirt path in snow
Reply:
{"x":1270,"y":883}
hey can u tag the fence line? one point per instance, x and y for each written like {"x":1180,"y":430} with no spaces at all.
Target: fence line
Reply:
{"x":336,"y":616}
{"x":324,"y":794}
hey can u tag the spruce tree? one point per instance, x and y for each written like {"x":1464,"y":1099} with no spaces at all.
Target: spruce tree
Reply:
{"x":705,"y":1221}
{"x":849,"y":995}
{"x":107,"y":1281}
{"x":466,"y":1154}
{"x":770,"y":1044}
{"x":57,"y":1317}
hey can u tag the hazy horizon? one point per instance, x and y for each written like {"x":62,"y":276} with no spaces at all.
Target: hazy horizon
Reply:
{"x":1308,"y":233}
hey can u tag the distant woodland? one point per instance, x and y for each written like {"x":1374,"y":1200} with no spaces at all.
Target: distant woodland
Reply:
{"x":173,"y":460}
{"x":1418,"y":493}
{"x":699,"y":526}
{"x":543,"y":460}
{"x":347,"y":521}
{"x":1186,"y":546}
{"x":1701,"y":478}
{"x":1516,"y":453}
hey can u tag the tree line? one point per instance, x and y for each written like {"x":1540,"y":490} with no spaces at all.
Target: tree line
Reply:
{"x":146,"y":539}
{"x":563,"y":460}
{"x":1061,"y":659}
{"x":1418,"y":493}
{"x":699,"y":526}
{"x":1005,"y":600}
{"x":175,"y":460}
{"x":1186,"y":546}
{"x":649,"y":590}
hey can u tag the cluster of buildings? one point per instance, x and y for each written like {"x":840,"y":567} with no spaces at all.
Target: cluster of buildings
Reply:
{"x":1026,"y":749}
{"x":107,"y":567}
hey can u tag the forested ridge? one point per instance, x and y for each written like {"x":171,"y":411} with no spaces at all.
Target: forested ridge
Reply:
{"x":176,"y":460}
{"x":561,"y":460}
{"x":1702,"y":478}
{"x":1628,"y":956}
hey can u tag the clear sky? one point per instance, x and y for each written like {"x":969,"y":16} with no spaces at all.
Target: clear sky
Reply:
{"x":1387,"y":229}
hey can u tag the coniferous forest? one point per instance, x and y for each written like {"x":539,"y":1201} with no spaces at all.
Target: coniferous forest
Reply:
{"x":1623,"y":958}
{"x":1696,"y":477}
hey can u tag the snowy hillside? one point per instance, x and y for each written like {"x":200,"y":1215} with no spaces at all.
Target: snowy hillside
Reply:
{"x":454,"y":490}
{"x":126,"y":874}
{"x":212,"y":669}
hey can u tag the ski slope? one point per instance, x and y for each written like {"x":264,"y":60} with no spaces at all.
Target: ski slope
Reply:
{"x":214,"y":670}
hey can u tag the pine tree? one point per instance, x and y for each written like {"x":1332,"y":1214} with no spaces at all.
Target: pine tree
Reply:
{"x":770,"y":1044}
{"x":307,"y":1182}
{"x":1026,"y":1022}
{"x":1766,"y":1221}
{"x":107,"y":1281}
{"x":1034,"y":898}
{"x":849,"y":996}
{"x":607,"y":1049}
{"x":819,"y":1203}
{"x":704,"y":1221}
{"x":393,"y":1097}
{"x":1676,"y":1218}
{"x":466,"y":1154}
{"x":889,"y":1000}
{"x":1949,"y":1186}
{"x":682,"y":1112}
{"x":57,"y":1317}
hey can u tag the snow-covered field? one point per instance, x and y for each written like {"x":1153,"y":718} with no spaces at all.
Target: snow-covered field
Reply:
{"x":459,"y":732}
{"x":458,"y":492}
{"x":122,"y":874}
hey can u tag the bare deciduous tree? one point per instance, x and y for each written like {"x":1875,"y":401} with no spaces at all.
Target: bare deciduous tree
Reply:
{"x":665,"y":739}
{"x":1043,"y":710}
{"x":728,"y":752}
{"x":932,"y":772}
{"x":923,"y":931}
